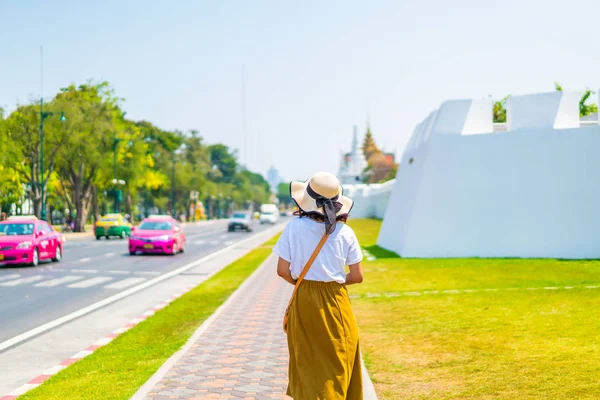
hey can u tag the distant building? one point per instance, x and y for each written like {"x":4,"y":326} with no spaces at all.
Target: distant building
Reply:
{"x":274,"y":179}
{"x":353,"y":164}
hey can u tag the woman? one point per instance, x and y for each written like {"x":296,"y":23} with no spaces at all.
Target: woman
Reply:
{"x":322,"y":332}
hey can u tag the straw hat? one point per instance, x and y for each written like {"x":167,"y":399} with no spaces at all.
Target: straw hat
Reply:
{"x":322,"y":186}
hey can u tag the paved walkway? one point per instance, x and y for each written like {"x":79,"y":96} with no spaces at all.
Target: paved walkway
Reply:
{"x":239,"y":353}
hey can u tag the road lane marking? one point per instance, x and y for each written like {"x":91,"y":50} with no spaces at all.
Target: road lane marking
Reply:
{"x":21,"y":281}
{"x":229,"y":242}
{"x":9,"y":277}
{"x":223,"y":236}
{"x":125,"y":283}
{"x":59,"y":281}
{"x":264,"y":235}
{"x":85,"y":271}
{"x":109,"y":254}
{"x":214,"y":242}
{"x":119,"y":272}
{"x":199,"y":242}
{"x":91,"y":282}
{"x":85,"y":260}
{"x":147,"y":273}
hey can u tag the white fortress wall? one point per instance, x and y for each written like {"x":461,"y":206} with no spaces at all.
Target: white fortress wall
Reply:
{"x":370,"y":200}
{"x":532,"y":191}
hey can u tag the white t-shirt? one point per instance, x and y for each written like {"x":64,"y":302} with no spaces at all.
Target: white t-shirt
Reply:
{"x":300,"y":238}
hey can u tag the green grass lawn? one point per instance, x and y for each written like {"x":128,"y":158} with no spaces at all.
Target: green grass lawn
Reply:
{"x":118,"y":369}
{"x":518,"y":342}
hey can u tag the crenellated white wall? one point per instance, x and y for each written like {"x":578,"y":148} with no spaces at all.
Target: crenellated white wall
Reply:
{"x":533,"y":191}
{"x":370,"y":201}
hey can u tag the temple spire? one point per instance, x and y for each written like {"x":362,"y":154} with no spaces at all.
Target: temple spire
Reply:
{"x":354,"y":142}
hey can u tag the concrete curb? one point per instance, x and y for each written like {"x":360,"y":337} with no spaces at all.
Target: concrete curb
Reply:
{"x":369,"y":389}
{"x":37,"y":381}
{"x":162,"y":371}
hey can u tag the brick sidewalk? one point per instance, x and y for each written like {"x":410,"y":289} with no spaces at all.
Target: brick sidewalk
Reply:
{"x":241,"y":353}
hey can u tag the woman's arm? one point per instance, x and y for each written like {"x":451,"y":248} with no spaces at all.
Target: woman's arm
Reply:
{"x":355,"y":275}
{"x":283,"y":270}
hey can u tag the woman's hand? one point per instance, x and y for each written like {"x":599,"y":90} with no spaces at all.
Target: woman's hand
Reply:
{"x":355,"y":275}
{"x":283,"y":270}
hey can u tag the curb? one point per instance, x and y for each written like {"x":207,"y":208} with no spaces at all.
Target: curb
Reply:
{"x":368,"y":388}
{"x":162,"y":371}
{"x":37,"y":381}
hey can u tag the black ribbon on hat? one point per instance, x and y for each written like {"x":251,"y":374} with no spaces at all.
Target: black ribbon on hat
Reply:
{"x":330,"y":208}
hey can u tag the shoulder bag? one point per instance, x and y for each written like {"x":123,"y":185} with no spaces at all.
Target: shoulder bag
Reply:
{"x":310,"y":262}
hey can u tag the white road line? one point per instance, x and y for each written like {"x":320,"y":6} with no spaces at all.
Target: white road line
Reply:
{"x":91,"y":282}
{"x":199,"y":242}
{"x":85,"y":260}
{"x":214,"y":242}
{"x":121,"y":295}
{"x":109,"y":254}
{"x":119,"y":272}
{"x":21,"y":281}
{"x":85,"y":271}
{"x":125,"y":283}
{"x":59,"y":281}
{"x":9,"y":277}
{"x":229,"y":242}
{"x":155,"y":273}
{"x":223,"y":236}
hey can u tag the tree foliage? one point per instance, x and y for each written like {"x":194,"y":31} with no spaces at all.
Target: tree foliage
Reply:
{"x":96,"y":144}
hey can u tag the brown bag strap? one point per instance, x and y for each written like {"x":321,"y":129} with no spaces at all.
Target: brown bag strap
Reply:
{"x":311,"y":260}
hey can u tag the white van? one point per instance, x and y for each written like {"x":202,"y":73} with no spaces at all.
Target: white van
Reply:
{"x":268,"y":213}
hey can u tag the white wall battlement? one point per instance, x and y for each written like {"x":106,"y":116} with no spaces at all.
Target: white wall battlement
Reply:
{"x":370,"y":201}
{"x":532,"y":191}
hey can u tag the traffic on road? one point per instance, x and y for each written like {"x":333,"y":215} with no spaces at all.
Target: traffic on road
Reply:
{"x":90,"y":270}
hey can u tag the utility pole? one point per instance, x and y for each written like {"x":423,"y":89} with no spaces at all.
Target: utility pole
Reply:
{"x":173,"y":188}
{"x":115,"y":181}
{"x":245,"y":158}
{"x":43,"y":116}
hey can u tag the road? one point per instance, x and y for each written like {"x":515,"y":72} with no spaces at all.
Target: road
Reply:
{"x":93,"y":270}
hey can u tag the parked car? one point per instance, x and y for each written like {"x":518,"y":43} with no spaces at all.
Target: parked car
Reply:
{"x":240,"y":220}
{"x":112,"y":225}
{"x":27,"y":240}
{"x":157,"y":234}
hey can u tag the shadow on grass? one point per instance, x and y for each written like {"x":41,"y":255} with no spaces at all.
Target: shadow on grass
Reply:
{"x":380,"y":252}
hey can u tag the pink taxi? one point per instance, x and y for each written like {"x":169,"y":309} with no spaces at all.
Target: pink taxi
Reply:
{"x":26,"y":240}
{"x":157,"y":234}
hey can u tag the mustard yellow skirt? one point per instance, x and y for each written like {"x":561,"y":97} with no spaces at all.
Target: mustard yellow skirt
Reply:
{"x":323,"y":344}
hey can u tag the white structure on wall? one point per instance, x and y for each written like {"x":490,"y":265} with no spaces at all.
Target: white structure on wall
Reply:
{"x":532,"y":191}
{"x":370,"y":201}
{"x":353,"y":164}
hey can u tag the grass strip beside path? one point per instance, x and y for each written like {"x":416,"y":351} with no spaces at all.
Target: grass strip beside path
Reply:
{"x":502,"y":341}
{"x":118,"y":369}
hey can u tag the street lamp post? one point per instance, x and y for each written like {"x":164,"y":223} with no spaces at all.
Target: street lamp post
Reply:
{"x":43,"y":116}
{"x":115,"y":181}
{"x":173,"y":208}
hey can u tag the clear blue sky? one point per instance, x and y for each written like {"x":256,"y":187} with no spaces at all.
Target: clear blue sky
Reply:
{"x":314,"y":69}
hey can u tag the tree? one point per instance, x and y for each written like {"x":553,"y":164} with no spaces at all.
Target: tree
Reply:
{"x":224,"y":163}
{"x":283,"y":194}
{"x":92,"y":111}
{"x":22,"y":131}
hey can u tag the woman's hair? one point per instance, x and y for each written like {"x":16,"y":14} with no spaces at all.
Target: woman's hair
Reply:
{"x":315,"y":216}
